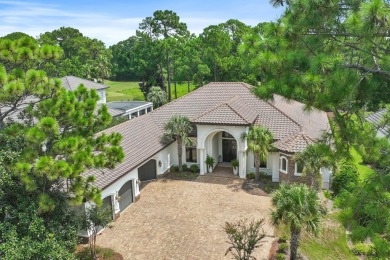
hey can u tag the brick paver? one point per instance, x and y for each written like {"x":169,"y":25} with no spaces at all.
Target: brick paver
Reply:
{"x":183,"y":220}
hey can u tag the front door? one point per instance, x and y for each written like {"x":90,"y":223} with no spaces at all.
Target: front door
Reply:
{"x":229,"y":150}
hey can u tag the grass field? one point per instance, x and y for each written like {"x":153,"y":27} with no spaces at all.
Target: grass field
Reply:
{"x":364,"y":171}
{"x":331,"y":243}
{"x":129,"y":91}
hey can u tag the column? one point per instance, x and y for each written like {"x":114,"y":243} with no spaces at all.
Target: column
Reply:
{"x":242,"y":166}
{"x":201,"y":161}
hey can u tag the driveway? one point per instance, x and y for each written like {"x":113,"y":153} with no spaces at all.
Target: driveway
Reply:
{"x":184,"y":220}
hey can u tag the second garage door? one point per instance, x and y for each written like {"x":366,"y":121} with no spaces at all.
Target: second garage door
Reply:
{"x":126,"y":195}
{"x":148,"y":171}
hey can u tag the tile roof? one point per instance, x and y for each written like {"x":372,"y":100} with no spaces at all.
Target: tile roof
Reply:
{"x":141,"y":136}
{"x":294,"y":143}
{"x":72,"y":82}
{"x":376,"y":119}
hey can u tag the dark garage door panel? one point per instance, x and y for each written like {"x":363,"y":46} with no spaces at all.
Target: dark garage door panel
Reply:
{"x":126,"y":195}
{"x":148,"y":171}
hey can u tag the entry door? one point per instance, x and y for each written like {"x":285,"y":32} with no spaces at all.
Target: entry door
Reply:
{"x":229,"y":150}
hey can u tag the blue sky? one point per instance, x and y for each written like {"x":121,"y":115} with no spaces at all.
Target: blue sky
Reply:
{"x":113,"y":21}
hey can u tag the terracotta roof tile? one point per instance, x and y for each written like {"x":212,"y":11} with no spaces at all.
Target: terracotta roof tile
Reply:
{"x":294,"y":143}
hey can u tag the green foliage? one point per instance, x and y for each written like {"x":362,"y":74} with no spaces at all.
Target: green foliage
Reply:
{"x":209,"y":162}
{"x":345,"y":179}
{"x":243,"y":238}
{"x":185,"y":167}
{"x":280,"y":256}
{"x":283,"y":248}
{"x":178,"y":127}
{"x":235,"y":163}
{"x":250,"y":176}
{"x":363,"y":249}
{"x":174,"y":168}
{"x":259,"y":142}
{"x":314,"y":157}
{"x":157,"y":96}
{"x":298,"y":207}
{"x":194,"y":168}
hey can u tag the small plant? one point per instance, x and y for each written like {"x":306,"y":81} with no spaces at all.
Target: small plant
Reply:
{"x":174,"y":169}
{"x":235,"y":163}
{"x":263,"y":176}
{"x":283,"y":238}
{"x":280,"y":256}
{"x":194,"y":168}
{"x":185,"y":167}
{"x":209,"y":162}
{"x":250,"y":176}
{"x":363,"y":249}
{"x":327,"y":194}
{"x":283,"y":248}
{"x":243,"y":238}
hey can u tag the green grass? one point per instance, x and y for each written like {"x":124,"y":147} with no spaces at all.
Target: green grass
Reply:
{"x":129,"y":91}
{"x":331,"y":243}
{"x":364,"y":171}
{"x":123,"y":91}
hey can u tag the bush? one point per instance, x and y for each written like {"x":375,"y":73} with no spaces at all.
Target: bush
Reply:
{"x":185,"y":167}
{"x":174,"y":168}
{"x":363,"y":249}
{"x":283,"y":248}
{"x":283,"y":238}
{"x":194,"y":168}
{"x":346,"y":179}
{"x":280,"y":256}
{"x":250,"y":176}
{"x":327,"y":194}
{"x":263,"y":176}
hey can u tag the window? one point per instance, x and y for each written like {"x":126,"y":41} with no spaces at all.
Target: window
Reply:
{"x":283,"y":164}
{"x":134,"y":115}
{"x":142,"y":112}
{"x":191,"y":154}
{"x":298,"y":168}
{"x":149,"y":109}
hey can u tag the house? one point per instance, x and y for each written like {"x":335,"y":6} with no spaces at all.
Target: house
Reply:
{"x":128,"y":109}
{"x":376,"y":119}
{"x":219,"y":112}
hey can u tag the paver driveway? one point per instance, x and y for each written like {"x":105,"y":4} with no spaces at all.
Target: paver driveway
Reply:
{"x":183,"y":220}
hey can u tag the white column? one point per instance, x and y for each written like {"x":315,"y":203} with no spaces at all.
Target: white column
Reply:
{"x":242,"y":162}
{"x":201,"y":161}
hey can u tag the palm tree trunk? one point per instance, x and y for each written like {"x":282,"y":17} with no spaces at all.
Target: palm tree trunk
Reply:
{"x":257,"y":166}
{"x":179,"y":153}
{"x":294,"y":243}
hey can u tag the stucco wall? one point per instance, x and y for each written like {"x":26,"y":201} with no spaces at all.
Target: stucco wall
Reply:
{"x":102,"y":95}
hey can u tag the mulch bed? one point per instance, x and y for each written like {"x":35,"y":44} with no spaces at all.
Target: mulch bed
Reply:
{"x":253,"y":188}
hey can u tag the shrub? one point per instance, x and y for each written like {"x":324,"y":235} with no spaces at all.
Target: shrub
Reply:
{"x":250,"y":176}
{"x":363,"y":249}
{"x":185,"y":167}
{"x":283,"y":238}
{"x":174,"y":168}
{"x":346,"y":179}
{"x":194,"y":168}
{"x":263,"y":176}
{"x":283,"y":248}
{"x":327,"y":194}
{"x":280,"y":256}
{"x":235,"y":163}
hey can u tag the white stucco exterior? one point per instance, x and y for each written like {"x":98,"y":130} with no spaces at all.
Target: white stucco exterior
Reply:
{"x":102,"y":95}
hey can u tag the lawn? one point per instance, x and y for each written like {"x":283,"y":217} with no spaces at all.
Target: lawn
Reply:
{"x":129,"y":91}
{"x":364,"y":171}
{"x":331,"y":242}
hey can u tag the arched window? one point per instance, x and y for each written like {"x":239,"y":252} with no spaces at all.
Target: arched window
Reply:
{"x":283,"y":163}
{"x":298,"y":169}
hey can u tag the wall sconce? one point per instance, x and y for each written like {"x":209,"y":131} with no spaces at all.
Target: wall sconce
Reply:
{"x":159,"y":163}
{"x":138,"y":182}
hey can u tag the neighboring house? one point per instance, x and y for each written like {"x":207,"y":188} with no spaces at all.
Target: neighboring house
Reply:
{"x":220,"y":112}
{"x":376,"y":119}
{"x":71,"y":83}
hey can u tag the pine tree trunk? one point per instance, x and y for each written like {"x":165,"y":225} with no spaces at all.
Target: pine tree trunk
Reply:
{"x":294,"y":243}
{"x":169,"y":78}
{"x":179,"y":153}
{"x":175,"y":91}
{"x":257,"y":165}
{"x":188,"y":86}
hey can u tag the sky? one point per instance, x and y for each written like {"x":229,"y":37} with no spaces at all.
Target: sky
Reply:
{"x":112,"y":21}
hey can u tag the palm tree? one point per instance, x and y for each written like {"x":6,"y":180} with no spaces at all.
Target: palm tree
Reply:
{"x":178,"y":127}
{"x":259,"y":142}
{"x":297,"y":206}
{"x":313,"y":158}
{"x":157,"y":96}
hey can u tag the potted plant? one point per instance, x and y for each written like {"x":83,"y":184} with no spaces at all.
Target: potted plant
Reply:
{"x":235,"y":166}
{"x":209,"y":163}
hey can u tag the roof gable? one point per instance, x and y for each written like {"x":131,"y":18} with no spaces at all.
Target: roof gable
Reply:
{"x":294,"y":143}
{"x":72,"y":83}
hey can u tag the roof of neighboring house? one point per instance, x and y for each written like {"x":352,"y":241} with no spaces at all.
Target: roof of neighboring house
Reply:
{"x":142,"y":135}
{"x":127,"y":105}
{"x":72,"y":82}
{"x":376,"y":118}
{"x":294,"y":143}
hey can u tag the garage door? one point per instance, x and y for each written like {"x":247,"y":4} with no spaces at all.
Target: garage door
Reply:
{"x":148,"y":171}
{"x":108,"y":204}
{"x":126,"y":195}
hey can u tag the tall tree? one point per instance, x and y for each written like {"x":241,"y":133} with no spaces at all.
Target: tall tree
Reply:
{"x":178,"y":128}
{"x":259,"y":142}
{"x":299,"y":207}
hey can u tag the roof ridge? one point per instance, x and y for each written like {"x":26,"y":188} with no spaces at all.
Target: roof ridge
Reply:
{"x":208,"y":111}
{"x":238,"y":113}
